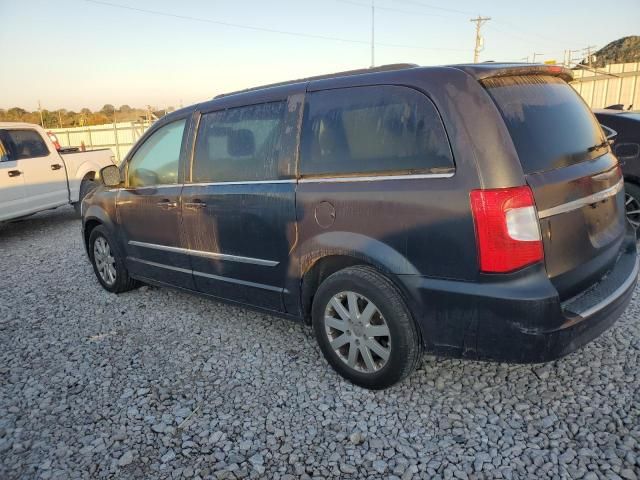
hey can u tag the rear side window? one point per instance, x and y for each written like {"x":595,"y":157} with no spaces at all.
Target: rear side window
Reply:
{"x":239,"y":144}
{"x":372,"y":130}
{"x":550,"y":125}
{"x":22,"y":144}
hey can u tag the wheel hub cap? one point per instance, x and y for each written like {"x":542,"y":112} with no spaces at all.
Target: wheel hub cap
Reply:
{"x":104,"y":260}
{"x":357,"y":332}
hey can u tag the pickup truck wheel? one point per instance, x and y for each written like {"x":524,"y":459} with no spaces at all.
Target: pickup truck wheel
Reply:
{"x":108,"y":263}
{"x":86,"y":187}
{"x":364,"y":328}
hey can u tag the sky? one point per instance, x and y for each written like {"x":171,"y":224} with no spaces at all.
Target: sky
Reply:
{"x":86,"y":53}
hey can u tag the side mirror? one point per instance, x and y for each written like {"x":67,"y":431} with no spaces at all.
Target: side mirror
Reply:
{"x":110,"y":176}
{"x":627,"y":151}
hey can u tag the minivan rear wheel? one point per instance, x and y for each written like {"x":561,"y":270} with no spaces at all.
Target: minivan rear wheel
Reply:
{"x":364,"y":328}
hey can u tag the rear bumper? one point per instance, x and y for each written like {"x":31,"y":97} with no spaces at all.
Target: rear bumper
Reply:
{"x":519,"y":317}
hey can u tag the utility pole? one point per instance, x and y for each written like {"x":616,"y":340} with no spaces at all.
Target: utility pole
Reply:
{"x":588,"y":50}
{"x":535,"y":55}
{"x":373,"y":30}
{"x":571,"y":59}
{"x":479,"y":21}
{"x":40,"y":110}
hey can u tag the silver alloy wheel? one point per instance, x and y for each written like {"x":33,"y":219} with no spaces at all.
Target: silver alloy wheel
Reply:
{"x":632,"y":208}
{"x":357,"y":332}
{"x":105,"y":263}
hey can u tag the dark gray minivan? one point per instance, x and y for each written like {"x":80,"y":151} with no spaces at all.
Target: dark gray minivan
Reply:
{"x":473,"y":211}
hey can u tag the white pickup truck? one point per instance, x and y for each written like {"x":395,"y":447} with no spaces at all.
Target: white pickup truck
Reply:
{"x":36,"y":176}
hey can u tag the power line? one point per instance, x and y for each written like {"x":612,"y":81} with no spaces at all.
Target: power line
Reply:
{"x":225,"y":24}
{"x":258,"y":29}
{"x":528,"y":32}
{"x":444,"y":9}
{"x":396,"y":10}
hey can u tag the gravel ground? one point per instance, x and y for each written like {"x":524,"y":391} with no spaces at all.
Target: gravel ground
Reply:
{"x":160,"y":384}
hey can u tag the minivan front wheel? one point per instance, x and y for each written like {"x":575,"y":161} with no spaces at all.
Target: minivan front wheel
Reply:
{"x":108,"y":263}
{"x":364,"y":328}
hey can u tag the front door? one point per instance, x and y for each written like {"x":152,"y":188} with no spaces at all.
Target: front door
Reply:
{"x":12,"y":196}
{"x":239,"y":208}
{"x":43,"y":170}
{"x":149,"y":209}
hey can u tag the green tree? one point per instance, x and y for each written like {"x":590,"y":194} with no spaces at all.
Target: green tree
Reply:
{"x":108,"y":109}
{"x":16,"y":114}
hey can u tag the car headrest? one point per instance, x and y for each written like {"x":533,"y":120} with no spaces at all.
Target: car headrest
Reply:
{"x":241,"y":143}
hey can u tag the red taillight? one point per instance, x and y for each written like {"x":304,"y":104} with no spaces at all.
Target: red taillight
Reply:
{"x":54,"y":140}
{"x":507,"y":228}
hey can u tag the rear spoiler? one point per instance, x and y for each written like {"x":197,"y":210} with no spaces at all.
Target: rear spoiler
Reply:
{"x":483,"y":71}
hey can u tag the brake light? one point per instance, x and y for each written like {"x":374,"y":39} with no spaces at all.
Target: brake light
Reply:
{"x":54,"y":140}
{"x":507,"y":228}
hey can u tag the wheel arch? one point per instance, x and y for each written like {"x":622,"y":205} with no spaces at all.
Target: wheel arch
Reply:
{"x":325,"y":254}
{"x":86,"y":172}
{"x":94,"y":217}
{"x":325,"y":266}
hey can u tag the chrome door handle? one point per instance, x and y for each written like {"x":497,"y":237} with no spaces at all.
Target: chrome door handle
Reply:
{"x":56,"y":166}
{"x":167,"y":204}
{"x":195,"y":205}
{"x":14,"y":173}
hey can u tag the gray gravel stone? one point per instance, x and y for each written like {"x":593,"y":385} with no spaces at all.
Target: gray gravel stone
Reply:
{"x":167,"y":457}
{"x":94,"y":385}
{"x":379,"y":466}
{"x":356,"y":438}
{"x":125,"y":459}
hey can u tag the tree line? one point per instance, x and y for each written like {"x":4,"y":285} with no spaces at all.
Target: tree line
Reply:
{"x":85,"y":117}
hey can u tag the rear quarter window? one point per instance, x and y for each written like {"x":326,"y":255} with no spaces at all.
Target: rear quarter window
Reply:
{"x":372,"y":130}
{"x":550,"y":125}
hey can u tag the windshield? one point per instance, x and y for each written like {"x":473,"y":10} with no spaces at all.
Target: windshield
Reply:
{"x":550,"y":125}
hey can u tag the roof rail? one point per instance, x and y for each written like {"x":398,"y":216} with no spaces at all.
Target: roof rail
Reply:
{"x":348,"y":73}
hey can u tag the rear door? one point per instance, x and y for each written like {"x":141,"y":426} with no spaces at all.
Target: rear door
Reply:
{"x":239,"y":207}
{"x":576,"y":181}
{"x":42,"y":170}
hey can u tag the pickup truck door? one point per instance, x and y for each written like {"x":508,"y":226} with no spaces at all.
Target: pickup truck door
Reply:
{"x":12,"y":195}
{"x":42,"y":170}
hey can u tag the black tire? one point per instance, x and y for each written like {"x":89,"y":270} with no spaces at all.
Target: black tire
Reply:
{"x":404,"y":339}
{"x":86,"y":187}
{"x":123,"y":282}
{"x":633,"y":191}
